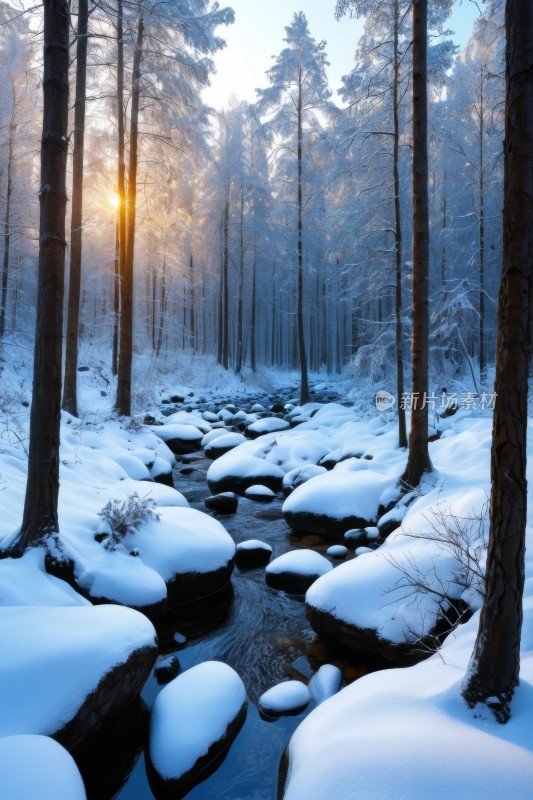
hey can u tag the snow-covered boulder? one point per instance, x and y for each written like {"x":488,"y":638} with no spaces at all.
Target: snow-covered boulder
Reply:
{"x":296,"y":570}
{"x":266,"y":425}
{"x":194,"y":720}
{"x":236,"y":471}
{"x":179,"y":437}
{"x":337,"y":551}
{"x":223,"y":444}
{"x":192,"y":552}
{"x":64,"y":672}
{"x":253,"y":553}
{"x":259,"y":493}
{"x":38,"y":767}
{"x":332,"y":503}
{"x":223,"y":503}
{"x":295,"y":477}
{"x":325,"y":683}
{"x":288,"y":697}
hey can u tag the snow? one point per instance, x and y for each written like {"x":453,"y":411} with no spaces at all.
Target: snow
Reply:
{"x":183,"y":540}
{"x":339,"y":494}
{"x":176,"y":430}
{"x":337,"y":551}
{"x":257,"y":490}
{"x":300,"y":562}
{"x":435,"y":747}
{"x":285,"y":697}
{"x":52,"y":658}
{"x":254,"y":544}
{"x":268,"y":425}
{"x":191,"y":713}
{"x":325,"y":683}
{"x":38,"y":767}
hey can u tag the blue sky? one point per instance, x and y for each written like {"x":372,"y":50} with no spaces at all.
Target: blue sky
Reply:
{"x":258,"y":34}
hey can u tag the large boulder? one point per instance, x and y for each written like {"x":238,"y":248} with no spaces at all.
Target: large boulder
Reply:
{"x":295,"y":571}
{"x":194,"y":720}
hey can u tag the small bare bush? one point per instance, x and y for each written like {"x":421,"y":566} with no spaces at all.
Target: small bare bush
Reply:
{"x":125,"y":517}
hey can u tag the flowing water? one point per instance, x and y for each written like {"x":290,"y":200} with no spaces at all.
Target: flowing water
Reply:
{"x":262,"y":633}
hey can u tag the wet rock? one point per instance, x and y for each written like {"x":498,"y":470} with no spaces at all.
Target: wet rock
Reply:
{"x":223,"y":503}
{"x":355,"y":536}
{"x":167,"y":669}
{"x":252,"y":553}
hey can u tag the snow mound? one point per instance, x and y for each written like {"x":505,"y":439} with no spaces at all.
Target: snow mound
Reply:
{"x":53,"y":658}
{"x":285,"y":698}
{"x":38,"y":767}
{"x":192,"y":714}
{"x":325,"y":683}
{"x":296,"y":570}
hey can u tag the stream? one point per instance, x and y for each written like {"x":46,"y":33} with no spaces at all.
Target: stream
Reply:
{"x":259,"y":631}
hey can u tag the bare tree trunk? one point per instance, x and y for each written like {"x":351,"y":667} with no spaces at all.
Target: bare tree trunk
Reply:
{"x":225,"y":263}
{"x":304,"y":385}
{"x":494,"y":667}
{"x":192,"y":314}
{"x":70,"y":394}
{"x":253,"y":311}
{"x":444,"y":212}
{"x":42,"y":488}
{"x":402,"y":430}
{"x":238,"y":359}
{"x":7,"y":215}
{"x":162,"y":308}
{"x":482,"y":366}
{"x":418,"y":460}
{"x":116,"y":300}
{"x":123,"y":404}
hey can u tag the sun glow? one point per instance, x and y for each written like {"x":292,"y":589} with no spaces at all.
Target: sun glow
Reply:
{"x":114,"y":200}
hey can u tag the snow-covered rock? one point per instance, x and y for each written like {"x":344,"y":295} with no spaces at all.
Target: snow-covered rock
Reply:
{"x":337,"y":551}
{"x":65,"y":671}
{"x":259,"y":492}
{"x":179,"y":437}
{"x":236,"y":471}
{"x":267,"y":425}
{"x":223,"y":503}
{"x":288,"y":697}
{"x":253,"y":553}
{"x":295,"y":477}
{"x":194,"y":720}
{"x":332,"y":503}
{"x":223,"y":444}
{"x":296,"y":570}
{"x":325,"y":683}
{"x":38,"y":767}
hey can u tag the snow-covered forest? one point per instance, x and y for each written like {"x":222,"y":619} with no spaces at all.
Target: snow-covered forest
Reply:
{"x":264,"y":393}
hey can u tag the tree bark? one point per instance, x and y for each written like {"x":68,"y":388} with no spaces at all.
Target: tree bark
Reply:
{"x":225,"y":264}
{"x":238,"y":359}
{"x":402,"y":430}
{"x":304,"y":385}
{"x":7,"y":214}
{"x":42,"y":488}
{"x":418,"y":460}
{"x":494,"y":667}
{"x":70,"y":394}
{"x":125,"y":358}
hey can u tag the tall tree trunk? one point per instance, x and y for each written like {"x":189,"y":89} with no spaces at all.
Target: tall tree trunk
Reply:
{"x":494,"y":667}
{"x":42,"y":488}
{"x":120,"y":245}
{"x":125,"y":357}
{"x":238,"y":359}
{"x":418,"y":460}
{"x":192,"y":313}
{"x":116,"y":300}
{"x":304,"y":385}
{"x":482,"y":366}
{"x":400,"y":386}
{"x":7,"y":215}
{"x":162,"y":308}
{"x":444,"y":222}
{"x":225,"y":264}
{"x":253,"y":310}
{"x":70,"y":394}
